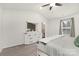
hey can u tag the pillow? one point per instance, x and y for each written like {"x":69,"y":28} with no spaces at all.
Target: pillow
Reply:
{"x":76,"y":42}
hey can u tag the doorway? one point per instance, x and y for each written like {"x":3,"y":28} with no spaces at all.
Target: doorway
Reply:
{"x":43,"y":30}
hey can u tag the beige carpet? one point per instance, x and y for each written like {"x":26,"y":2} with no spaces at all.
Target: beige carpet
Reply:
{"x":21,"y":50}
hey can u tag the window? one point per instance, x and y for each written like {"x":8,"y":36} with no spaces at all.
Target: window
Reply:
{"x":66,"y":26}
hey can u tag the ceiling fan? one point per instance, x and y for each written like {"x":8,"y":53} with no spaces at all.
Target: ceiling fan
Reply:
{"x":51,"y":5}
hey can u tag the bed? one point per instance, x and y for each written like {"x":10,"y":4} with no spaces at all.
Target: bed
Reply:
{"x":59,"y":46}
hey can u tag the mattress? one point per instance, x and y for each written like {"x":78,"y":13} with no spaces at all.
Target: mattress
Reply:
{"x":63,"y":46}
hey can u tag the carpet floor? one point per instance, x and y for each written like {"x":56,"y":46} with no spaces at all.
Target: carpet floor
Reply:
{"x":20,"y":50}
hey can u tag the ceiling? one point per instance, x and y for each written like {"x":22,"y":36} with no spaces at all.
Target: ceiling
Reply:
{"x":62,"y":11}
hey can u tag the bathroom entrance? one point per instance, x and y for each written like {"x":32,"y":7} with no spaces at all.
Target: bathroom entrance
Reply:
{"x":43,"y":30}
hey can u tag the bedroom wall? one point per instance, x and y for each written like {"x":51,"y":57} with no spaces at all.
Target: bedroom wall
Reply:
{"x":1,"y":31}
{"x":76,"y":18}
{"x":53,"y":25}
{"x":13,"y":23}
{"x":13,"y":30}
{"x":35,"y":18}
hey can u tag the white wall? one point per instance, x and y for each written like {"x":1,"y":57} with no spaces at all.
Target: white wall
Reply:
{"x":35,"y":18}
{"x":53,"y":25}
{"x":76,"y":20}
{"x":13,"y":26}
{"x":1,"y":30}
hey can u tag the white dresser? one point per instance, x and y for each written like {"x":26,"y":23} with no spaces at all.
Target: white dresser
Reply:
{"x":32,"y":37}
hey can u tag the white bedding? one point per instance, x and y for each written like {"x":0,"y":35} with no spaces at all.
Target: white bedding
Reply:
{"x":63,"y":46}
{"x":46,"y":40}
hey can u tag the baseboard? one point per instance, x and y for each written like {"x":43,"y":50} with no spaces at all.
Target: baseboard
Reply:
{"x":15,"y":46}
{"x":30,"y":44}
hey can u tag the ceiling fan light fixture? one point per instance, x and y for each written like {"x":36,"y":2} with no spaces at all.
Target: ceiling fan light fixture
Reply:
{"x":52,"y":4}
{"x":41,"y":8}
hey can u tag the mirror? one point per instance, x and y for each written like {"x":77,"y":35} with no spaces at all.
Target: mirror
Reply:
{"x":31,"y":26}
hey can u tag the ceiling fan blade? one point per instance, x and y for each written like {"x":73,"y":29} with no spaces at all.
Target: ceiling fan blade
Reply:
{"x":50,"y":8}
{"x":46,"y":5}
{"x":58,"y":4}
